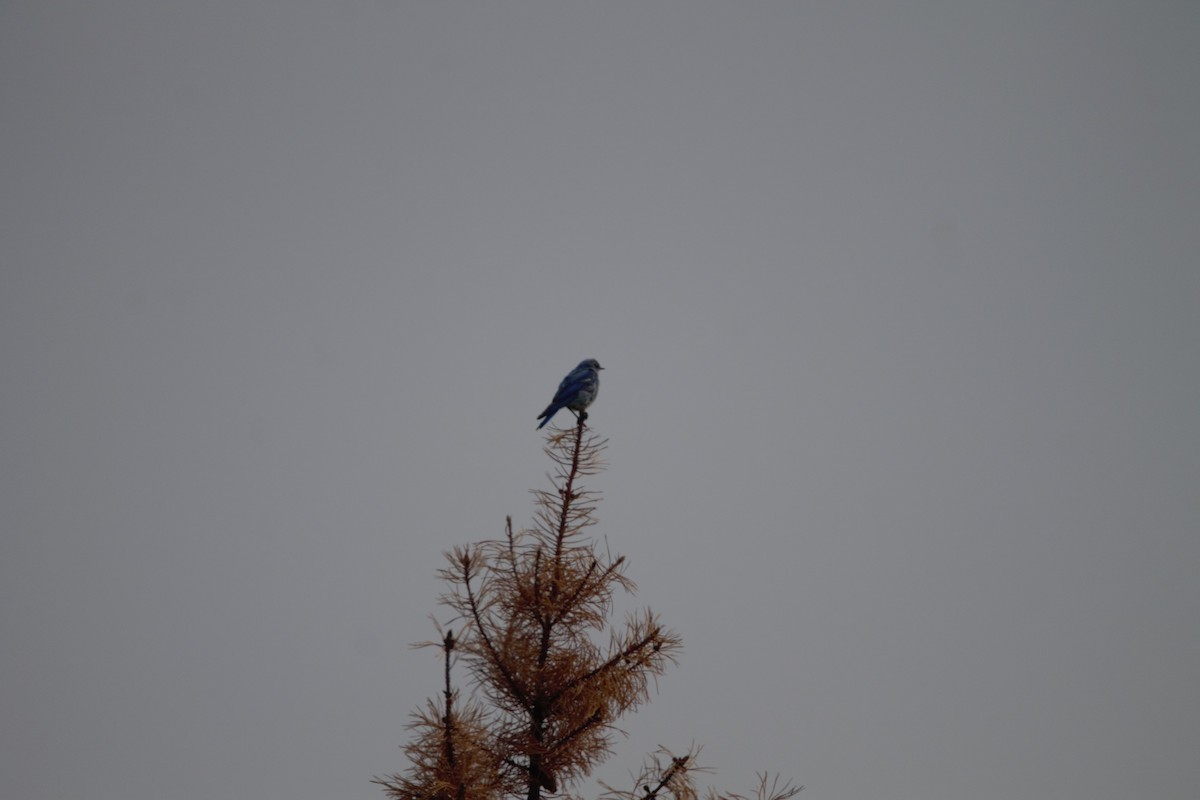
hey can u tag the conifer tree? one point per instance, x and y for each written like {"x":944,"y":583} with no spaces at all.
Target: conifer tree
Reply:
{"x":530,"y":613}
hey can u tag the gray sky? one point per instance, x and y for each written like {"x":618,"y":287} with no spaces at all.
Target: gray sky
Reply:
{"x":898,"y":304}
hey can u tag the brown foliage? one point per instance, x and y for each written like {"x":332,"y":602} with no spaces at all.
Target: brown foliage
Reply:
{"x":533,"y":609}
{"x":671,"y":777}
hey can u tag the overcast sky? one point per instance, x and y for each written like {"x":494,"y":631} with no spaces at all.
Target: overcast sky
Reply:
{"x":898,"y":304}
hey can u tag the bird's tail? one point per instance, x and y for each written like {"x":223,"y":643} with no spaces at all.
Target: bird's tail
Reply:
{"x":550,"y":411}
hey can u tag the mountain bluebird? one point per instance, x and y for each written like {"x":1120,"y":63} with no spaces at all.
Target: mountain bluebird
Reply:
{"x":577,"y":390}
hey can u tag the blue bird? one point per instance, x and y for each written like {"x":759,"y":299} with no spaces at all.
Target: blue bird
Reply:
{"x":577,"y":390}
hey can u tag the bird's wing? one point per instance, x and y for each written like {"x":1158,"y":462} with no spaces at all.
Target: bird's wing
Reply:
{"x":571,"y":385}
